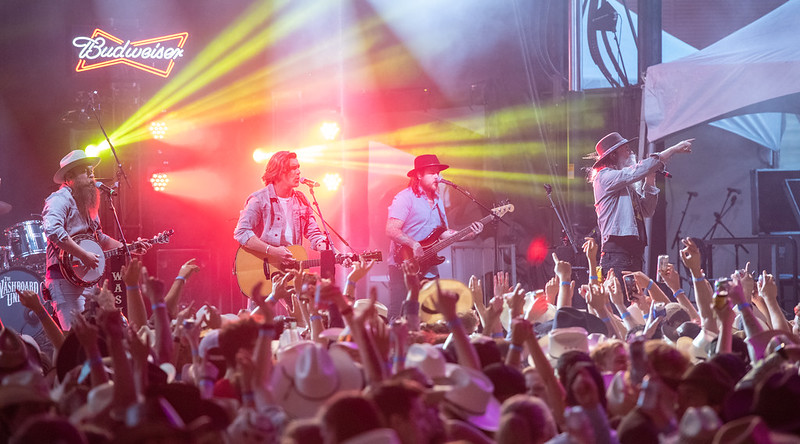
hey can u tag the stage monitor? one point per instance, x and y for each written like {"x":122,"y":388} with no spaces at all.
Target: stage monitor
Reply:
{"x":776,"y":208}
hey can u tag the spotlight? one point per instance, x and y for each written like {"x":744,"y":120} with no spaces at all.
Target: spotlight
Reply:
{"x":159,"y":181}
{"x":261,"y":156}
{"x":332,"y":181}
{"x":92,"y":150}
{"x":158,"y":130}
{"x":329,"y":130}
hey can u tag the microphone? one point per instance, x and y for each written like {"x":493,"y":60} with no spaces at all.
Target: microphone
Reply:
{"x":309,"y":182}
{"x":548,"y":188}
{"x":446,"y":182}
{"x":105,"y":188}
{"x":664,"y":173}
{"x":692,"y":193}
{"x":734,"y":190}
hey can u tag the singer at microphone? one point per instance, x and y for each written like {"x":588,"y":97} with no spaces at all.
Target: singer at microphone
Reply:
{"x":625,"y":194}
{"x":105,"y":188}
{"x":309,"y":182}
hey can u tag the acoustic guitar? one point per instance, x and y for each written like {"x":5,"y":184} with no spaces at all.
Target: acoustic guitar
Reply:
{"x":79,"y":274}
{"x":252,"y":267}
{"x":432,"y":245}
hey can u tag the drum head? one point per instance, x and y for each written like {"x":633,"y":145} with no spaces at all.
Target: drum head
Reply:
{"x":12,"y":312}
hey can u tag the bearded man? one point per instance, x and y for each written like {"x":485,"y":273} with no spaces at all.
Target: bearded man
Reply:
{"x":68,"y":212}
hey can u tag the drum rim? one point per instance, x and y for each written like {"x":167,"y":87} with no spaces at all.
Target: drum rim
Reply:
{"x":22,"y":223}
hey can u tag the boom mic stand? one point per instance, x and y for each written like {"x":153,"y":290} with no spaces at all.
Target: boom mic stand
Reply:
{"x":494,"y":219}
{"x":731,"y":196}
{"x":549,"y":190}
{"x":678,"y":231}
{"x":119,"y":173}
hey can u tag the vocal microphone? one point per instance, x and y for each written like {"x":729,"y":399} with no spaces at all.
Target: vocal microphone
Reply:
{"x":734,"y":190}
{"x":664,"y":173}
{"x":692,"y":193}
{"x":446,"y":182}
{"x":105,"y":188}
{"x":309,"y":182}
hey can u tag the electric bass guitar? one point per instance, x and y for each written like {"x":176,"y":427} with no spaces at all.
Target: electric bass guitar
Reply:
{"x":252,"y":267}
{"x":79,"y":274}
{"x":432,"y":245}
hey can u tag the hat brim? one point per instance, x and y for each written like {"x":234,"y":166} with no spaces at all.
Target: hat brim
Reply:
{"x":612,"y":149}
{"x":59,"y":176}
{"x":441,"y":167}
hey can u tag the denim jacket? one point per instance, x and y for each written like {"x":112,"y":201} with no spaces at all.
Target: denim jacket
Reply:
{"x":262,"y":214}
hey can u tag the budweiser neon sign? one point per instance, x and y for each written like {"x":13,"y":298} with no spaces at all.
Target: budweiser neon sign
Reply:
{"x":156,"y":56}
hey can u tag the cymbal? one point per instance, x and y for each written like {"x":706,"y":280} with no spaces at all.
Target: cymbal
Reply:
{"x":4,"y":207}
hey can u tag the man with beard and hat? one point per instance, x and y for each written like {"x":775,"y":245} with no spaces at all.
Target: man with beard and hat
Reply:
{"x":415,"y":213}
{"x":68,"y":212}
{"x":624,"y":194}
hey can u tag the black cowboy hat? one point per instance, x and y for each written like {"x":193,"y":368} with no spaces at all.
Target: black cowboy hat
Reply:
{"x":426,"y":160}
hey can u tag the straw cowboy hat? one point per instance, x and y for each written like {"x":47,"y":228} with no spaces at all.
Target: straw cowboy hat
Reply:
{"x":608,"y":144}
{"x":428,"y":294}
{"x":307,"y":375}
{"x":73,"y":159}
{"x":424,"y":161}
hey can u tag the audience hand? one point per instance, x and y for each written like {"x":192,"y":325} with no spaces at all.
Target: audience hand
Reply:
{"x":690,"y":255}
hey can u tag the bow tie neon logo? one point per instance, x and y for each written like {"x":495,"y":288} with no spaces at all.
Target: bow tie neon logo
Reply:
{"x":156,"y":56}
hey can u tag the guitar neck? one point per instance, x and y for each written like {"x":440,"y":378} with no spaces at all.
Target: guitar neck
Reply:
{"x":461,"y":234}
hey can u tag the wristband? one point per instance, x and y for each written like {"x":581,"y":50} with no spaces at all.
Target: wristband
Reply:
{"x":698,"y":279}
{"x":744,"y":305}
{"x":132,"y":287}
{"x":270,"y":299}
{"x":267,"y":331}
{"x":625,"y":314}
{"x":515,"y":347}
{"x":351,"y":283}
{"x":195,"y":353}
{"x":316,"y":318}
{"x":180,"y":278}
{"x":454,"y":323}
{"x":679,"y":291}
{"x":398,"y":358}
{"x":248,"y":397}
{"x":645,"y":316}
{"x":566,"y":283}
{"x":606,"y":319}
{"x":347,"y":311}
{"x":497,"y":334}
{"x":158,"y":305}
{"x":649,"y":286}
{"x":592,"y":278}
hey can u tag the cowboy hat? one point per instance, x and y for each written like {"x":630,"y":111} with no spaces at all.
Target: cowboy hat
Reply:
{"x":608,"y":144}
{"x":424,"y":161}
{"x":471,"y":397}
{"x":428,"y":295}
{"x":307,"y":375}
{"x":71,"y":160}
{"x":430,"y":361}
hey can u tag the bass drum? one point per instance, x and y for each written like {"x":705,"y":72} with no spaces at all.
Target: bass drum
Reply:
{"x":13,"y":313}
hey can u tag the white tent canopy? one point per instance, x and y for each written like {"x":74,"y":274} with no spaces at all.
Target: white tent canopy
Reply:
{"x":755,"y":69}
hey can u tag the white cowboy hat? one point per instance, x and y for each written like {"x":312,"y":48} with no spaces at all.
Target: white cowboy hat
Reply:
{"x":471,"y":398}
{"x":361,"y":304}
{"x":71,"y":160}
{"x":307,"y":375}
{"x":430,"y":361}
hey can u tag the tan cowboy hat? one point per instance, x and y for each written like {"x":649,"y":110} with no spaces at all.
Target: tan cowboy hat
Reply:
{"x":73,"y":159}
{"x":428,"y":294}
{"x":608,"y":144}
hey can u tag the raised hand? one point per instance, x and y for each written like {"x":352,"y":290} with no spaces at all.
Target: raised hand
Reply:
{"x":132,"y":272}
{"x":614,"y":290}
{"x":476,"y":290}
{"x":188,"y":268}
{"x":360,"y":269}
{"x":105,"y":298}
{"x":563,"y":269}
{"x":747,"y":281}
{"x":690,"y":255}
{"x":29,"y":300}
{"x":86,"y":332}
{"x":446,"y":304}
{"x":551,"y":289}
{"x":537,"y":309}
{"x":590,"y":250}
{"x":671,"y":277}
{"x":515,"y":300}
{"x":766,"y":286}
{"x":501,"y":283}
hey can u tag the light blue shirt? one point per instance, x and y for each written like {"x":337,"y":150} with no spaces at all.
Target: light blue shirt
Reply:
{"x":418,"y":216}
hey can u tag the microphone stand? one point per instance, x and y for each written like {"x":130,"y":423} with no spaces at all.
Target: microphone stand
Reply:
{"x":119,"y":173}
{"x":678,"y":231}
{"x":718,"y":223}
{"x":549,"y":189}
{"x":488,"y":210}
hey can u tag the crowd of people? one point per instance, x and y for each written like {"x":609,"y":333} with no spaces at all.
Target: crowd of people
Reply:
{"x":643,"y":363}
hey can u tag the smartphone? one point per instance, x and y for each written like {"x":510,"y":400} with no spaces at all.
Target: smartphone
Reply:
{"x":663,"y":261}
{"x":631,"y":288}
{"x":638,"y":361}
{"x":721,"y":289}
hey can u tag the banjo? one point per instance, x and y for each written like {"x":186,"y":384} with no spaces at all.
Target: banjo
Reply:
{"x":79,"y":274}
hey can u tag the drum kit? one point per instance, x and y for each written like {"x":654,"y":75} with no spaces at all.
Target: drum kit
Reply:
{"x":22,"y":267}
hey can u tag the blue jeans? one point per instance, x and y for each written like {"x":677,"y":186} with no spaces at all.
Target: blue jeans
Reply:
{"x":66,"y":299}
